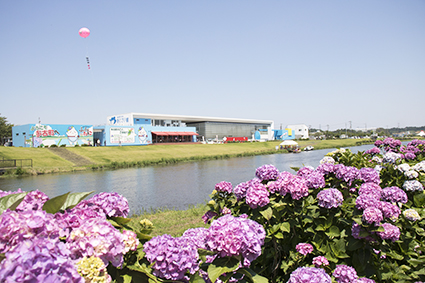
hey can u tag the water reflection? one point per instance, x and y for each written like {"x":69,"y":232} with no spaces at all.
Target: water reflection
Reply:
{"x":173,"y":186}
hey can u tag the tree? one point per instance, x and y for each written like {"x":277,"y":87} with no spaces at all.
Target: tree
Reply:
{"x":5,"y":130}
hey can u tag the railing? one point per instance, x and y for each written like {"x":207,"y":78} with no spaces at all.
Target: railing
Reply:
{"x":14,"y":163}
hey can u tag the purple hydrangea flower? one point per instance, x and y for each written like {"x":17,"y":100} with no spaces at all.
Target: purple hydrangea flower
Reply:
{"x":372,"y":215}
{"x":370,"y":188}
{"x":316,"y":180}
{"x":267,"y":173}
{"x":304,"y":248}
{"x":390,"y":211}
{"x":224,"y":186}
{"x":369,"y":175}
{"x":39,"y":259}
{"x":197,"y":236}
{"x":111,"y":204}
{"x":373,"y":150}
{"x":379,"y":143}
{"x":281,"y":184}
{"x":346,"y":173}
{"x":391,"y":232}
{"x":257,"y":195}
{"x":97,"y":237}
{"x":74,"y":218}
{"x":330,"y":198}
{"x":326,"y":168}
{"x":413,"y":185}
{"x":240,"y":190}
{"x":172,"y":257}
{"x":232,"y":236}
{"x":344,"y":274}
{"x":305,"y":171}
{"x":367,"y":200}
{"x":394,"y":194}
{"x":15,"y":227}
{"x":409,"y":155}
{"x":298,"y":188}
{"x":309,"y":275}
{"x":320,"y":260}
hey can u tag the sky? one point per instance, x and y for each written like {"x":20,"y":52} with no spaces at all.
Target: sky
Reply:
{"x":329,"y":64}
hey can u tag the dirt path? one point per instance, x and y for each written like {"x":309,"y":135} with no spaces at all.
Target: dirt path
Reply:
{"x":78,"y":160}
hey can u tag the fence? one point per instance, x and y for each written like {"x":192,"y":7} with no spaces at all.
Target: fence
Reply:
{"x":14,"y":163}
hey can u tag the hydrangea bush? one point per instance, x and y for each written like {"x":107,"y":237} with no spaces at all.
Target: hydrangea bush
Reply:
{"x":356,"y":217}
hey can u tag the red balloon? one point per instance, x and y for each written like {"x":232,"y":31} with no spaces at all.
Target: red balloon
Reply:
{"x":84,"y":32}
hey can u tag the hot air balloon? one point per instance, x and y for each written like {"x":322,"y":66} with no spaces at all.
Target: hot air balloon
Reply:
{"x":84,"y":32}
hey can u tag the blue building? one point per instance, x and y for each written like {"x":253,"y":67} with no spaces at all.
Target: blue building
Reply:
{"x":37,"y":135}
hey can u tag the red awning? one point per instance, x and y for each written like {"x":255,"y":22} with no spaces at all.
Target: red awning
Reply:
{"x":160,"y":133}
{"x":175,"y":133}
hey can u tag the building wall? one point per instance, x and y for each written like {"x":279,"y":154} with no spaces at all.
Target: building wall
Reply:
{"x":36,"y":135}
{"x":300,"y":131}
{"x":135,"y":135}
{"x":210,"y":130}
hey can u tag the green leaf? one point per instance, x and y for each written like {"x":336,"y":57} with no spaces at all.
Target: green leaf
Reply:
{"x":73,"y":199}
{"x":267,"y":214}
{"x":285,"y":227}
{"x":252,"y":276}
{"x":222,"y":265}
{"x":121,"y":220}
{"x":11,"y":201}
{"x":333,"y":232}
{"x":196,"y":278}
{"x":54,"y":205}
{"x":127,"y":278}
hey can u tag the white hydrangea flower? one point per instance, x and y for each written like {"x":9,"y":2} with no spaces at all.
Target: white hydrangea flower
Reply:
{"x":411,"y":174}
{"x":403,"y":167}
{"x":327,"y":159}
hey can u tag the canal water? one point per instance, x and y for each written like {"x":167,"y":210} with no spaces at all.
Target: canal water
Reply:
{"x":172,"y":186}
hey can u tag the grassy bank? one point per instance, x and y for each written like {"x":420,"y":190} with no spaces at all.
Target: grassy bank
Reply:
{"x":45,"y":161}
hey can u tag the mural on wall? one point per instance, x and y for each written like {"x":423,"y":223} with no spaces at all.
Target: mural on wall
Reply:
{"x":122,"y":135}
{"x":143,"y":136}
{"x":46,"y":135}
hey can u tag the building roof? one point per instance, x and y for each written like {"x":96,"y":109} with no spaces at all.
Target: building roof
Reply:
{"x":195,"y":119}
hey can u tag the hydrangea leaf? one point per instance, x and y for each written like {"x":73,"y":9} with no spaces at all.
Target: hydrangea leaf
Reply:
{"x":73,"y":199}
{"x":54,"y":205}
{"x":196,"y":278}
{"x":11,"y":201}
{"x":222,"y":265}
{"x":267,"y":214}
{"x":252,"y":276}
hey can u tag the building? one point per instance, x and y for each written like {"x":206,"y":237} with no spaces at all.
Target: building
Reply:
{"x":144,"y":129}
{"x":300,"y":131}
{"x":204,"y":128}
{"x":36,"y":135}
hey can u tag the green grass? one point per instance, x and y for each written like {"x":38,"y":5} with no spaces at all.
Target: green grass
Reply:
{"x":174,"y":222}
{"x":44,"y":161}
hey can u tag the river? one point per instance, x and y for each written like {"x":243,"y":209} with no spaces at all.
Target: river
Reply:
{"x":171,"y":186}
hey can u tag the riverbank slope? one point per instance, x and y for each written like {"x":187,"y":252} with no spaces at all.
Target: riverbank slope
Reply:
{"x":46,"y":160}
